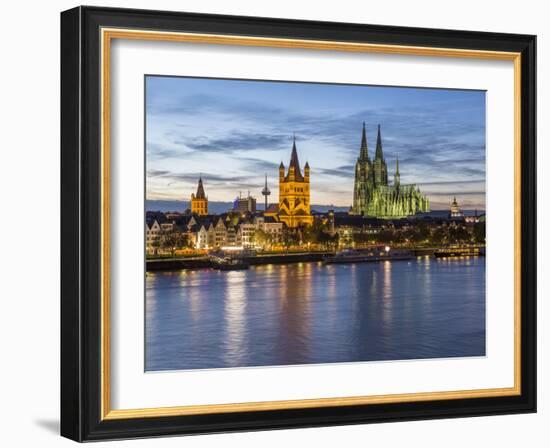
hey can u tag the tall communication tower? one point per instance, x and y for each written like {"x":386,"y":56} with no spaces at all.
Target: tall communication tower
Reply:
{"x":266,"y":193}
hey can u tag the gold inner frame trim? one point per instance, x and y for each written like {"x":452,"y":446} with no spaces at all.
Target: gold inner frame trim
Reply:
{"x":107,"y":35}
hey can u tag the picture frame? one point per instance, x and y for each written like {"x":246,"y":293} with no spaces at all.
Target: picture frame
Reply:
{"x":86,"y":37}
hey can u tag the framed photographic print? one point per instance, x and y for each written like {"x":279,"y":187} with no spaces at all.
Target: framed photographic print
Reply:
{"x":274,"y":223}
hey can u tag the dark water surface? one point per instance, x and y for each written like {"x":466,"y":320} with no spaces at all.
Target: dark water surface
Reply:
{"x":309,"y":313}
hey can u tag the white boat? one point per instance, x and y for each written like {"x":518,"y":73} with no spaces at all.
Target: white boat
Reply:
{"x":228,"y":263}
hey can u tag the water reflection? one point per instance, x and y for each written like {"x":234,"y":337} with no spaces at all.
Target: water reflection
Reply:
{"x":310,"y":313}
{"x":387,"y":295}
{"x":235,"y":314}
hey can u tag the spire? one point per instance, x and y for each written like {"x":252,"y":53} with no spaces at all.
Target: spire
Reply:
{"x":364,"y":154}
{"x":397,"y":177}
{"x":397,"y":165}
{"x":200,"y":190}
{"x":379,"y":153}
{"x":294,"y":163}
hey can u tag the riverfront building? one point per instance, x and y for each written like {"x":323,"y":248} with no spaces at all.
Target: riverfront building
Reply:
{"x":213,"y":232}
{"x":188,"y":231}
{"x":199,"y":201}
{"x":455,"y":212}
{"x":294,"y":194}
{"x":154,"y":232}
{"x":245,"y":205}
{"x":373,"y":196}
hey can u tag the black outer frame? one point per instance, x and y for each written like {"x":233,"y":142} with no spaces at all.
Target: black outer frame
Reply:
{"x":81,"y":207}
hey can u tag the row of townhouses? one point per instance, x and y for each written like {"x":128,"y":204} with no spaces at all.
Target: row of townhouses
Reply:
{"x":154,"y":232}
{"x":211,"y":232}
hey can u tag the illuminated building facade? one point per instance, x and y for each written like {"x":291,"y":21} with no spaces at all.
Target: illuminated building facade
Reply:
{"x":373,"y":196}
{"x":456,"y":212}
{"x":294,"y":193}
{"x":199,"y":201}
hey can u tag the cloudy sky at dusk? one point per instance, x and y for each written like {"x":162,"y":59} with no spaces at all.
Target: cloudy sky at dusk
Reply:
{"x":235,"y":132}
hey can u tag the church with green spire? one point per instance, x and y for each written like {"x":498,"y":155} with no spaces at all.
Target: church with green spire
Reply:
{"x":373,"y":196}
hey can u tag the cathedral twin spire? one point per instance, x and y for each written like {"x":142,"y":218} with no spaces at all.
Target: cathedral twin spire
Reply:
{"x":364,"y":152}
{"x":379,"y":153}
{"x":376,"y":170}
{"x":373,"y":195}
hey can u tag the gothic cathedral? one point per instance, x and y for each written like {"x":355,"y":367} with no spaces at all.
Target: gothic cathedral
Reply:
{"x":372,"y":196}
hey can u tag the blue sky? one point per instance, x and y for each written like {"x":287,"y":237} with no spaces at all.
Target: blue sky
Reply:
{"x":236,"y":131}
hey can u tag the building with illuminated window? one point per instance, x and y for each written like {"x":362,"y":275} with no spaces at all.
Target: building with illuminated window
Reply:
{"x":294,"y":194}
{"x":245,"y":205}
{"x":456,"y":213}
{"x":199,"y":201}
{"x":373,"y":196}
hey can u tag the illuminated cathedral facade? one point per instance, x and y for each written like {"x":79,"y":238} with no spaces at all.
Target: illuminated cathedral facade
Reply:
{"x":294,"y":193}
{"x":372,"y":194}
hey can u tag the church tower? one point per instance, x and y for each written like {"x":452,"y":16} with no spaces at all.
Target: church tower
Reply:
{"x":363,"y":178}
{"x":294,"y":192}
{"x":380,"y":167}
{"x":199,"y":201}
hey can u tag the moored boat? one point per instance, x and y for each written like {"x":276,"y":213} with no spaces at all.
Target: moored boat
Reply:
{"x":232,"y":265}
{"x":228,"y":263}
{"x":459,"y":251}
{"x":373,"y":254}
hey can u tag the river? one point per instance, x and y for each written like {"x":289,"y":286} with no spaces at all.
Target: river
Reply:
{"x":310,"y":313}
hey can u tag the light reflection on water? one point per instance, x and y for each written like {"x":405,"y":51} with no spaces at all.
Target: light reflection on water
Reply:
{"x":309,"y":313}
{"x":235,"y":339}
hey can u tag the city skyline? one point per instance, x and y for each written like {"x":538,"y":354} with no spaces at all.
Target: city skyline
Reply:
{"x":234,"y":132}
